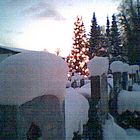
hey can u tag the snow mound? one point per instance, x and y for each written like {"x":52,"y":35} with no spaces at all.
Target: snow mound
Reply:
{"x":136,"y":87}
{"x":112,"y":131}
{"x":128,"y":100}
{"x":27,"y":75}
{"x":133,"y":134}
{"x":76,"y":112}
{"x":98,"y":65}
{"x":133,"y":69}
{"x":125,"y":67}
{"x":117,"y":66}
{"x":85,"y":90}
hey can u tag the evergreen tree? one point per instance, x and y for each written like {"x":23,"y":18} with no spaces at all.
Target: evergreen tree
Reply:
{"x":78,"y":58}
{"x":116,"y":49}
{"x":102,"y":49}
{"x":129,"y":17}
{"x":108,"y":27}
{"x":94,"y":38}
{"x":108,"y":39}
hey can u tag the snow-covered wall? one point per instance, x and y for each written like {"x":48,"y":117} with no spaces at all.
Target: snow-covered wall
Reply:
{"x":27,"y":75}
{"x":76,"y":112}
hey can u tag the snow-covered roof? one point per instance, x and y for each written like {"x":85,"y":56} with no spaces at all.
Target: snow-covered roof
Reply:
{"x":27,"y":75}
{"x":98,"y":65}
{"x":12,"y":49}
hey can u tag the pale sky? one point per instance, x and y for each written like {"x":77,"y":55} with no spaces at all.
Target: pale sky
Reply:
{"x":48,"y":24}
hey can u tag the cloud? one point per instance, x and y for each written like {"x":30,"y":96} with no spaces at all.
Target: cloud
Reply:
{"x":43,"y":10}
{"x":8,"y":31}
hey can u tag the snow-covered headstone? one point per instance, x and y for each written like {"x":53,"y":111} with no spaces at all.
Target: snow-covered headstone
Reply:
{"x":98,"y":68}
{"x":117,"y":68}
{"x":35,"y":82}
{"x":133,"y":73}
{"x":125,"y":76}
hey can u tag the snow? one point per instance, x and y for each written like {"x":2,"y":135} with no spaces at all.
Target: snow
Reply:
{"x":133,"y":69}
{"x":136,"y":87}
{"x":117,"y":66}
{"x":98,"y":66}
{"x":85,"y":90}
{"x":112,"y":131}
{"x":13,"y":49}
{"x":133,"y":134}
{"x":27,"y":75}
{"x":110,"y":84}
{"x":128,"y":100}
{"x":76,"y":112}
{"x":125,"y":67}
{"x":76,"y":77}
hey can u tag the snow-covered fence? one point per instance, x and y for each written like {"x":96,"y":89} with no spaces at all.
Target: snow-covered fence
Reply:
{"x":98,"y":67}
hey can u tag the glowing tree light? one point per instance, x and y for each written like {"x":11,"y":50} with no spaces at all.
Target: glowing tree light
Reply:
{"x":78,"y":58}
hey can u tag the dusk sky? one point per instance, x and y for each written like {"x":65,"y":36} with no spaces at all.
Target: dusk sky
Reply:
{"x":48,"y":24}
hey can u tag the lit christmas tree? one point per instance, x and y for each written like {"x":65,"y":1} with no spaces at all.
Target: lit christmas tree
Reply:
{"x":77,"y":60}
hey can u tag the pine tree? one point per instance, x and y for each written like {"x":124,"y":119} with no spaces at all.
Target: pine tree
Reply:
{"x":108,"y":39}
{"x":78,"y":58}
{"x":129,"y":18}
{"x":116,"y":49}
{"x":94,"y":38}
{"x":108,"y":27}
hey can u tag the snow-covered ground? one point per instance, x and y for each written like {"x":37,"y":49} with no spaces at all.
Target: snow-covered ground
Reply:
{"x":76,"y":112}
{"x":133,"y":134}
{"x":111,"y":131}
{"x":128,"y":100}
{"x":136,"y":87}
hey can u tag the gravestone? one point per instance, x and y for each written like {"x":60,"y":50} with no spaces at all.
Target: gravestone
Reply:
{"x":46,"y":112}
{"x":8,"y":122}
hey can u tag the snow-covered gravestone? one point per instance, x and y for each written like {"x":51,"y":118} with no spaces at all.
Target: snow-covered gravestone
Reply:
{"x":32,"y":89}
{"x":98,"y":67}
{"x":125,"y":76}
{"x":117,"y":68}
{"x":133,"y":73}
